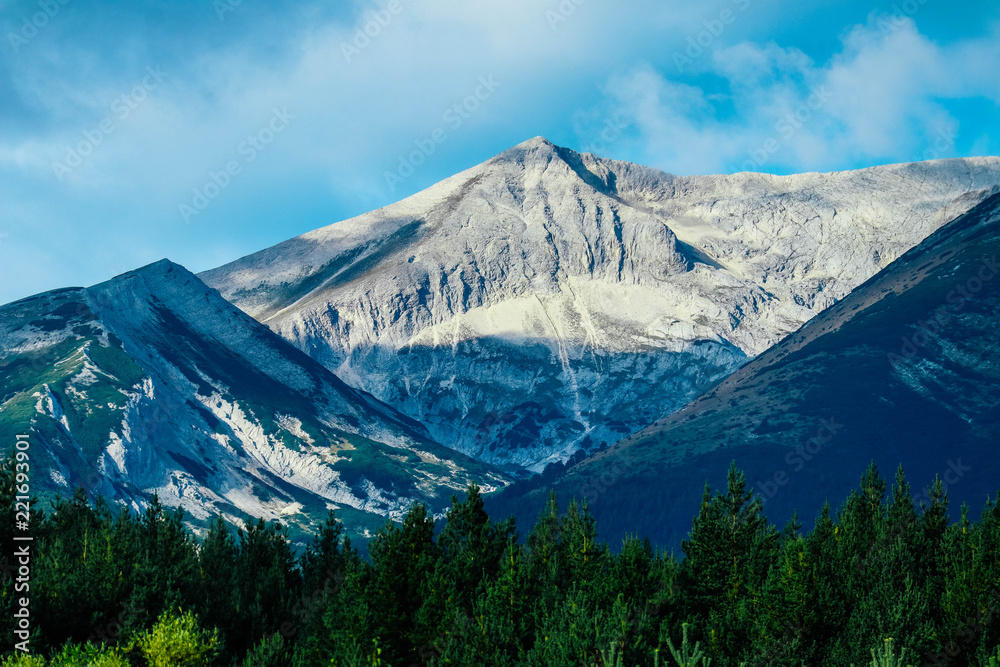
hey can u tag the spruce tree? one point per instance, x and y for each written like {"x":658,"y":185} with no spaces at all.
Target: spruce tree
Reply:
{"x":165,"y":565}
{"x":729,"y":552}
{"x":266,"y":584}
{"x":403,"y":558}
{"x":216,"y":598}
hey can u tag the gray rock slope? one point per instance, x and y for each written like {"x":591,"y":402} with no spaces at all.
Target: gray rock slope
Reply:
{"x":903,"y":371}
{"x":547,"y":301}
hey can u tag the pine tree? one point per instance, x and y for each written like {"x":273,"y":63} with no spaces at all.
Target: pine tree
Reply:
{"x":324,"y":561}
{"x":164,"y":562}
{"x":729,"y":552}
{"x":889,"y":595}
{"x":471,"y":546}
{"x":788,"y":606}
{"x":687,"y":655}
{"x":326,"y":564}
{"x":79,"y":577}
{"x":500,"y":628}
{"x":985,"y":621}
{"x":647,"y":581}
{"x":930,"y":547}
{"x":831,"y":608}
{"x":402,"y":559}
{"x":585,"y":557}
{"x":470,"y":550}
{"x":266,"y":584}
{"x":217,"y":579}
{"x":346,"y":615}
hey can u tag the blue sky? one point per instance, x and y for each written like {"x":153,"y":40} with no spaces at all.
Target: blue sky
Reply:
{"x":203,"y":131}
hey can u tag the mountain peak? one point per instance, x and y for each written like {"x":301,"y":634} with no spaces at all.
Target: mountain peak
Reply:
{"x":535,"y":142}
{"x":595,"y":279}
{"x":535,"y":148}
{"x":160,"y":273}
{"x":160,"y":267}
{"x":541,"y":153}
{"x":152,"y":383}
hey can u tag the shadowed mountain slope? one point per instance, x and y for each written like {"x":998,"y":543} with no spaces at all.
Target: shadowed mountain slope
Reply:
{"x":905,"y":369}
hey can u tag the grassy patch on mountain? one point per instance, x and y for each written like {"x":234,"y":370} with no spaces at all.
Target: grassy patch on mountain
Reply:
{"x":93,"y":408}
{"x":114,"y":361}
{"x":373,"y":464}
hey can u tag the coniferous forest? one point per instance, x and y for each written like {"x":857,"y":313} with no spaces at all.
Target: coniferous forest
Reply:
{"x":876,"y":582}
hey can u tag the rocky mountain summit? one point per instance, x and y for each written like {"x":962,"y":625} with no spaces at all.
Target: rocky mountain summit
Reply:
{"x":547,"y":302}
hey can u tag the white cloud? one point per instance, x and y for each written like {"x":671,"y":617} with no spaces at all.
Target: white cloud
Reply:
{"x":883,"y":98}
{"x":354,"y":118}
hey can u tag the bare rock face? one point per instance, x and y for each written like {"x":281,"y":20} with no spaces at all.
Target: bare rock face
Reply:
{"x":904,"y":371}
{"x":547,"y":301}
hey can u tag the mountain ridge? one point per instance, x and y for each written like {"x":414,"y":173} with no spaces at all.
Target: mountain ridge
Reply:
{"x":152,"y":383}
{"x":601,"y":265}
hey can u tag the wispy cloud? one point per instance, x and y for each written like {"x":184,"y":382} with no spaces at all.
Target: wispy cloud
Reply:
{"x":886,"y":96}
{"x":601,"y":70}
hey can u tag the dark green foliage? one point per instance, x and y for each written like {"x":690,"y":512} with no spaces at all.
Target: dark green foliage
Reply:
{"x":369,"y":461}
{"x":878,"y":579}
{"x":727,"y":559}
{"x":270,"y":652}
{"x":403,"y":560}
{"x":114,"y":361}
